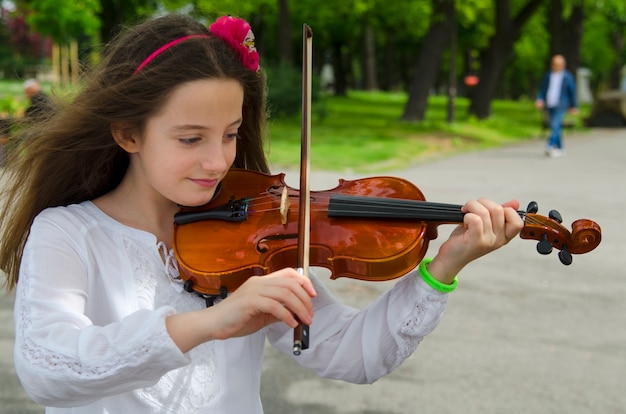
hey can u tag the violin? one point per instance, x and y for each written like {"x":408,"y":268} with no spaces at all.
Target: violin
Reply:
{"x":372,"y":229}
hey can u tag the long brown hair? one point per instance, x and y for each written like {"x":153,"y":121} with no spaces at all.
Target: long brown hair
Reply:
{"x":72,"y":156}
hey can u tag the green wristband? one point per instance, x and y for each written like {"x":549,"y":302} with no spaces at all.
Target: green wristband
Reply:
{"x":434,"y":283}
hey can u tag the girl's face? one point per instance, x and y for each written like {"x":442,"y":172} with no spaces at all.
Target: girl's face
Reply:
{"x":190,"y":144}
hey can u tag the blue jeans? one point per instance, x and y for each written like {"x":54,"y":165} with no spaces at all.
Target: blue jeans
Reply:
{"x":555,"y":118}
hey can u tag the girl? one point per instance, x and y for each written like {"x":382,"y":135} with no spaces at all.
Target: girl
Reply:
{"x":102,"y":324}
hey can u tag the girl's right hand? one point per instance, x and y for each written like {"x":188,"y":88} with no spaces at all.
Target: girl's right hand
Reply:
{"x":284,"y":295}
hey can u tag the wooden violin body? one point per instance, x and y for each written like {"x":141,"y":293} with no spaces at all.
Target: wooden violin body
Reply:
{"x":263,"y":242}
{"x":370,"y":229}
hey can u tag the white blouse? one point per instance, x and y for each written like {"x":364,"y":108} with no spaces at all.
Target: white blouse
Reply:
{"x":90,"y":310}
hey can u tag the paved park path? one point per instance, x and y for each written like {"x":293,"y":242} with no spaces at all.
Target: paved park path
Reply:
{"x":522,"y":333}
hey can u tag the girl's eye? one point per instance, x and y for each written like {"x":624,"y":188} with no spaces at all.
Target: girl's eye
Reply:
{"x":188,"y":141}
{"x":234,"y":136}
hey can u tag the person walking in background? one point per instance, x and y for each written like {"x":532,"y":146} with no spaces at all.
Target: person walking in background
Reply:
{"x":557,"y":95}
{"x":40,"y":103}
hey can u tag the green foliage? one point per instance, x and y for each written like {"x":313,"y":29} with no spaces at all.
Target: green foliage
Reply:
{"x":604,"y":26}
{"x":16,"y":66}
{"x":285,"y":90}
{"x":475,"y":22}
{"x":406,"y":18}
{"x":9,"y":106}
{"x":399,"y":27}
{"x":214,"y":8}
{"x":531,"y":51}
{"x":597,"y":53}
{"x":64,"y":20}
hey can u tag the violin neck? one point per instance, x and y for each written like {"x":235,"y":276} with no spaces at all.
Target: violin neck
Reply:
{"x":393,"y":208}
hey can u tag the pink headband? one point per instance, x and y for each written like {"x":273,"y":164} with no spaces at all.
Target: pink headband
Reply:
{"x":163,"y":48}
{"x":236,"y":32}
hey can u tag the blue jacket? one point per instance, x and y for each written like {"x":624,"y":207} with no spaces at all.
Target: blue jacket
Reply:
{"x":568,"y":90}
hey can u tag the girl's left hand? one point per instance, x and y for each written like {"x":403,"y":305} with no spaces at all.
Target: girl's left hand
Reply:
{"x":486,"y":227}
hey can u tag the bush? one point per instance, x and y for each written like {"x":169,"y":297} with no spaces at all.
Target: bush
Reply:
{"x":284,"y":98}
{"x":9,"y":106}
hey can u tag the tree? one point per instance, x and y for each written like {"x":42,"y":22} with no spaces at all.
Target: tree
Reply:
{"x":429,"y":59}
{"x":523,"y":73}
{"x":113,"y":13}
{"x":285,"y":42}
{"x":337,"y":31}
{"x":613,"y":14}
{"x":565,"y":25}
{"x":64,"y":21}
{"x":493,"y":59}
{"x":472,"y":30}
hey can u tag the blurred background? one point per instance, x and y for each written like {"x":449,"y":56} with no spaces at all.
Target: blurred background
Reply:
{"x":438,"y":75}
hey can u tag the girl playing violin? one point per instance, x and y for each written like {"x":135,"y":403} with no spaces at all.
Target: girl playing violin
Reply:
{"x":102,"y":323}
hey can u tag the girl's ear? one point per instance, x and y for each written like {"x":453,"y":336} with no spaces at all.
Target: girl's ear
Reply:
{"x":123,"y":135}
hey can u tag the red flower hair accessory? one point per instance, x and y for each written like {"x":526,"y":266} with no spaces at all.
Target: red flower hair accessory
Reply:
{"x":238,"y":34}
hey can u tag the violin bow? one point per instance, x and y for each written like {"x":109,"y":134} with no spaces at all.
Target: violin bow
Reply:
{"x":301,"y":332}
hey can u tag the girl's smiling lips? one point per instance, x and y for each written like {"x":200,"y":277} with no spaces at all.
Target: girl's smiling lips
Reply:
{"x":205,"y":182}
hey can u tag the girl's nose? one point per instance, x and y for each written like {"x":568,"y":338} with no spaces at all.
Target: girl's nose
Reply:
{"x":215,"y":158}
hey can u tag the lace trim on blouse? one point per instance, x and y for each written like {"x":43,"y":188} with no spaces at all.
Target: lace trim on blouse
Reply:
{"x":193,"y":387}
{"x":171,"y":267}
{"x":420,"y":322}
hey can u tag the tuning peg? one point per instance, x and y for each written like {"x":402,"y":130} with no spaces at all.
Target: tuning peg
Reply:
{"x":533,"y":207}
{"x":544,"y":246}
{"x":565,"y":256}
{"x":556,"y":216}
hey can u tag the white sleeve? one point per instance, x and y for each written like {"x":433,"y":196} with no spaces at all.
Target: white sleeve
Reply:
{"x":362,"y":346}
{"x":61,"y":357}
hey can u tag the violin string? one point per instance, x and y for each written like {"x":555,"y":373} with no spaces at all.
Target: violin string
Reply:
{"x":387,"y":202}
{"x":323,"y":201}
{"x":267,"y":198}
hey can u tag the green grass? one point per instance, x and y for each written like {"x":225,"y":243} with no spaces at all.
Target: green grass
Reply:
{"x":362,"y":131}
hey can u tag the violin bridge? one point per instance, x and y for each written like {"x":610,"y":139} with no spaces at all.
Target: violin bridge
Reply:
{"x":284,"y":205}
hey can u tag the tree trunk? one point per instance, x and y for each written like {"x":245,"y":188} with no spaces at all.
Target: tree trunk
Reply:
{"x":494,"y":58}
{"x":565,"y":34}
{"x":615,"y":75}
{"x":428,"y":61}
{"x":555,"y":28}
{"x":285,"y":45}
{"x":390,"y":79}
{"x":369,"y":59}
{"x":574,"y":30}
{"x":65,"y":65}
{"x":74,"y":65}
{"x":341,"y":82}
{"x":110,"y":18}
{"x":56,"y":64}
{"x":493,"y":61}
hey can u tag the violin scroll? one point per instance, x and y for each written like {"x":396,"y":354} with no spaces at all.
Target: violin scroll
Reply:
{"x":550,"y":233}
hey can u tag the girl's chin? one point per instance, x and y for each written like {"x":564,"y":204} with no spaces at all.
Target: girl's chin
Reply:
{"x":192,"y":197}
{"x":192,"y":204}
